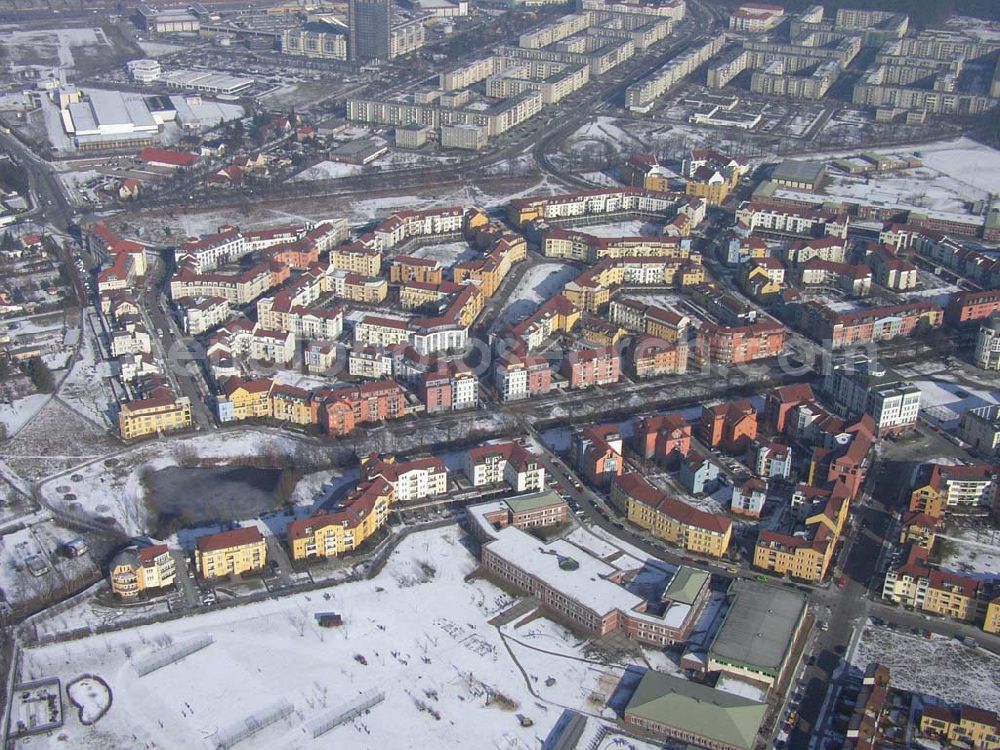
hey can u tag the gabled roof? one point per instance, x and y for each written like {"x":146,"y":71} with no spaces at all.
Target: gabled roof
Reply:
{"x":697,"y":709}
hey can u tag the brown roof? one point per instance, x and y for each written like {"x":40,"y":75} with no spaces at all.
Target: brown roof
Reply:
{"x":235,"y":538}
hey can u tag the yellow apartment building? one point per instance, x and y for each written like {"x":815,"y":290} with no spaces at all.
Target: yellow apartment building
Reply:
{"x":161,"y":412}
{"x":670,"y":519}
{"x":333,"y":534}
{"x":291,"y":404}
{"x":251,"y":399}
{"x":356,"y":259}
{"x":231,"y":553}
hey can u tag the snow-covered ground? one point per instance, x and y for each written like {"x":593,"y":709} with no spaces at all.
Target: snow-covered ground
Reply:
{"x":919,"y":189}
{"x":327,"y":170}
{"x":537,"y":285}
{"x":50,"y":45}
{"x":938,"y":666}
{"x":633,"y":228}
{"x":418,"y":634}
{"x":446,"y":253}
{"x":16,"y":414}
{"x":973,"y":551}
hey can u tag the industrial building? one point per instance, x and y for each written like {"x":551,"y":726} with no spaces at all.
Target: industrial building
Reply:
{"x":109,"y":119}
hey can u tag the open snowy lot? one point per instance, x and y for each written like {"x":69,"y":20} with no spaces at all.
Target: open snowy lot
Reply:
{"x":327,"y":170}
{"x":917,"y":189}
{"x":938,"y":666}
{"x":632,"y":228}
{"x":446,"y":253}
{"x":417,"y":640}
{"x":51,"y":47}
{"x":536,"y":286}
{"x":56,"y":439}
{"x":972,"y":550}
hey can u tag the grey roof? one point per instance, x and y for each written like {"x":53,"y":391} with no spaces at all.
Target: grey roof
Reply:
{"x":798,"y":171}
{"x":759,"y":626}
{"x":697,"y":709}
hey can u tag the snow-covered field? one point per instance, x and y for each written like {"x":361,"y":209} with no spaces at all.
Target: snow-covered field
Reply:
{"x":327,"y":170}
{"x":446,"y":253}
{"x":919,"y":189}
{"x":632,"y":228}
{"x":537,"y":285}
{"x":973,"y":551}
{"x":16,"y":414}
{"x":938,"y":666}
{"x":50,"y":46}
{"x":418,"y":634}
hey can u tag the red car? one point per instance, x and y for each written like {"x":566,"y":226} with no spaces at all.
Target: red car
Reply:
{"x":842,"y":581}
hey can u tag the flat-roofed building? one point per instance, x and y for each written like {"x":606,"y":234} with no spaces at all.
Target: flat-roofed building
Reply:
{"x":758,"y":633}
{"x":980,"y":428}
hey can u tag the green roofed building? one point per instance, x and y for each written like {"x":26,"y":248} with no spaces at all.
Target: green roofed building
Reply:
{"x":687,"y":586}
{"x":672,"y":707}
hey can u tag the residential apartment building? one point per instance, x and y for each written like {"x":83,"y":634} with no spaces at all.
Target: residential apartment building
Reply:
{"x":599,"y":454}
{"x":666,"y":437}
{"x":867,"y":325}
{"x":943,"y":489}
{"x":987,"y":353}
{"x":917,"y":585}
{"x":586,"y":368}
{"x":134,"y":571}
{"x":731,"y":426}
{"x":806,"y":552}
{"x":861,"y":386}
{"x":508,"y":462}
{"x":411,"y":480}
{"x":733,"y":345}
{"x":980,"y":428}
{"x":652,"y":357}
{"x":231,"y":553}
{"x":520,"y":376}
{"x":158,"y":412}
{"x":356,"y":519}
{"x":966,"y":307}
{"x":671,"y":519}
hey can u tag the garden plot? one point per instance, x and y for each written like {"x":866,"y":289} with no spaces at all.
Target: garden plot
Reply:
{"x":535,"y":287}
{"x":938,"y":666}
{"x":418,"y":634}
{"x":56,"y":439}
